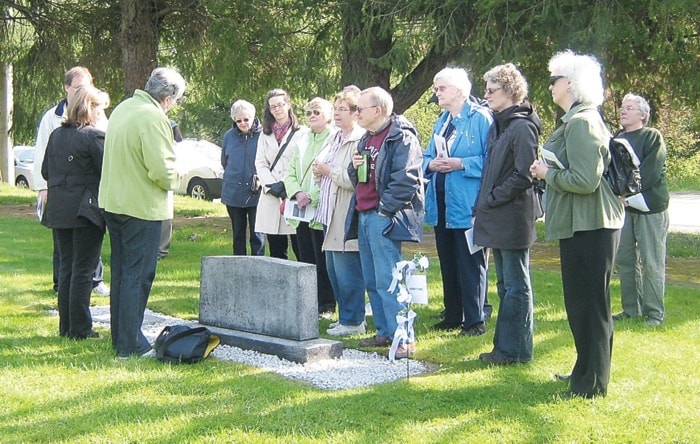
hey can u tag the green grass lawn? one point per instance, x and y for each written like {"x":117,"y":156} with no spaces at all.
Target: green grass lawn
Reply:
{"x":61,"y":391}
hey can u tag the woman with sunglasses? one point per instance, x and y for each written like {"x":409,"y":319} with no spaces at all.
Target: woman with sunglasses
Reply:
{"x":240,"y":190}
{"x":304,"y":191}
{"x":453,"y":163}
{"x":280,"y":135}
{"x":583,"y":214}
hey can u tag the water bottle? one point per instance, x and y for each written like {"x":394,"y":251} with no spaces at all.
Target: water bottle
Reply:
{"x":363,"y":169}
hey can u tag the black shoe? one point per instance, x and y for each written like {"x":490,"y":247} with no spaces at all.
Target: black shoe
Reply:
{"x":446,"y":326}
{"x":621,"y":316}
{"x":475,"y":330}
{"x":494,"y":359}
{"x":91,"y":335}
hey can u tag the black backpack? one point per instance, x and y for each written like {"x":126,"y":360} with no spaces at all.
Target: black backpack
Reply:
{"x":623,"y":171}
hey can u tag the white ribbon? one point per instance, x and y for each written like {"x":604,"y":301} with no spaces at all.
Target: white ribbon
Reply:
{"x":402,"y":271}
{"x":404,"y":332}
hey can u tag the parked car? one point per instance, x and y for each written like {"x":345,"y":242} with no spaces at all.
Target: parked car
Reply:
{"x":199,"y":163}
{"x":24,"y":166}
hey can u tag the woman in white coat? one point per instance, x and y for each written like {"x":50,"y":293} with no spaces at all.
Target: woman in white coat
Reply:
{"x":281,"y":135}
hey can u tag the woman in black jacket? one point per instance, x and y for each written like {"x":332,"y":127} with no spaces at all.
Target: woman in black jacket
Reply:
{"x":72,"y":167}
{"x":506,"y":210}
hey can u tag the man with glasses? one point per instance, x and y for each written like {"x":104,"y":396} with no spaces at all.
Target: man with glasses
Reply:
{"x":641,"y":255}
{"x":138,"y":172}
{"x":388,"y":198}
{"x":74,"y":79}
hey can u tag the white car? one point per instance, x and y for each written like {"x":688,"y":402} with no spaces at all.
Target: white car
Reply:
{"x":199,"y":165}
{"x":24,"y":166}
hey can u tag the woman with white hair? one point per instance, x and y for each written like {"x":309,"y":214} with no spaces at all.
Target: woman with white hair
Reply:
{"x":453,"y":163}
{"x":641,"y":256}
{"x":583,"y":214}
{"x":304,"y":190}
{"x":240,"y":190}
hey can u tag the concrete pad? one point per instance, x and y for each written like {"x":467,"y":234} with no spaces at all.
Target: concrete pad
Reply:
{"x":301,"y":352}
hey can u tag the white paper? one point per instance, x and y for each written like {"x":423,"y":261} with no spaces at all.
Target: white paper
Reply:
{"x":292,"y":211}
{"x":473,"y":248}
{"x":417,"y":286}
{"x":637,"y":202}
{"x":440,"y":146}
{"x":39,"y":207}
{"x":551,"y":159}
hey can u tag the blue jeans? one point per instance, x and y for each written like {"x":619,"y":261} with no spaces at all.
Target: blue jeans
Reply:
{"x":345,"y":274}
{"x":378,"y":255}
{"x":514,"y":328}
{"x":134,"y":257}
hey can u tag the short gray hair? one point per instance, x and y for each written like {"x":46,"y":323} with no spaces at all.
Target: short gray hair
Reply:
{"x":165,"y":82}
{"x":242,"y":105}
{"x":456,"y":77}
{"x":381,"y":98}
{"x":584,"y":75}
{"x":642,"y":104}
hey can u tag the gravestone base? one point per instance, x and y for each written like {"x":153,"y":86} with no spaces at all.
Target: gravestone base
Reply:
{"x":301,"y":352}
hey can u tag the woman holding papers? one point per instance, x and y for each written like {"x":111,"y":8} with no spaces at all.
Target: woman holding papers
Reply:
{"x":453,"y":163}
{"x":281,"y":134}
{"x":584,"y":215}
{"x":303,"y":192}
{"x":641,"y":256}
{"x":506,"y":210}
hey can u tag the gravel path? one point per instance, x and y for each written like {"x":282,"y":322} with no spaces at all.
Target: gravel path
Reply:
{"x":355,"y":369}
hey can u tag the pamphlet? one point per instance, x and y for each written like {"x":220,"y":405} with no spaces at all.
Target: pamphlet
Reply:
{"x":440,"y":146}
{"x":551,"y":159}
{"x":637,"y":202}
{"x":473,"y":248}
{"x":292,"y":211}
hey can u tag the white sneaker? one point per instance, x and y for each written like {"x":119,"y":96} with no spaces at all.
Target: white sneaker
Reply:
{"x":333,"y":324}
{"x":102,"y":289}
{"x":346,"y":330}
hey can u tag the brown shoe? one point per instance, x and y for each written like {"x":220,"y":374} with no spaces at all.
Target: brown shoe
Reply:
{"x":375,"y":341}
{"x":494,"y":359}
{"x":405,"y":350}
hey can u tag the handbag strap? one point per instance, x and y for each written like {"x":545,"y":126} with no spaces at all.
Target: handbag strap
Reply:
{"x":281,"y":151}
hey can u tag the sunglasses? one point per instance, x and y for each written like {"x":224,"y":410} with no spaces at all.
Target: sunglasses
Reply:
{"x":553,"y":79}
{"x":315,"y":112}
{"x":242,"y":120}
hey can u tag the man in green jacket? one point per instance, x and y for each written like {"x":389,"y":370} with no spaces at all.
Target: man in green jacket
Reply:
{"x":137,"y":173}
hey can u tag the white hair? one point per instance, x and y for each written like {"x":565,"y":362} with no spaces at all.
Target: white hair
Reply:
{"x":456,"y":77}
{"x":584,"y":75}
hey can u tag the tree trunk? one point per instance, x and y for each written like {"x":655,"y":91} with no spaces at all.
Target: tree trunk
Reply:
{"x":363,"y":42}
{"x":7,"y":163}
{"x":139,"y":42}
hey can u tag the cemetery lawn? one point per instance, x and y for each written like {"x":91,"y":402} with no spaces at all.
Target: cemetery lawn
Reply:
{"x":62,"y":391}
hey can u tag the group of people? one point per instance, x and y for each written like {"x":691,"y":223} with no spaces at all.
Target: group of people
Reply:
{"x":361,"y":170}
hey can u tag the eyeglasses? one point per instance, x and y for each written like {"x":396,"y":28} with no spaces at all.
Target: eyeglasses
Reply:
{"x":179,"y":100}
{"x":490,"y":91}
{"x":242,"y":120}
{"x":341,"y":109}
{"x":629,"y":109}
{"x":553,"y":79}
{"x":360,"y":109}
{"x":278,"y":106}
{"x":314,"y":112}
{"x":440,"y":88}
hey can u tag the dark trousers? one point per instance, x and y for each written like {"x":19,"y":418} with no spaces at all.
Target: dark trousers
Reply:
{"x":464,"y":277}
{"x":310,"y":242}
{"x":279,"y":245}
{"x":242,"y":217}
{"x":79,"y":250}
{"x":134,"y":258}
{"x":587,"y":261}
{"x":166,"y":237}
{"x":97,"y":275}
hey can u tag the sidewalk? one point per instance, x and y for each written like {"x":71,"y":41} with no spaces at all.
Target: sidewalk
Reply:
{"x":684,"y":212}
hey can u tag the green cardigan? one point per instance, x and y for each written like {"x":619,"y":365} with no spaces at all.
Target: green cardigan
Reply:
{"x":578,"y":199}
{"x":139,"y":161}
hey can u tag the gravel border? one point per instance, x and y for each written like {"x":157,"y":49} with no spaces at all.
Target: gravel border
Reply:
{"x":353,"y":370}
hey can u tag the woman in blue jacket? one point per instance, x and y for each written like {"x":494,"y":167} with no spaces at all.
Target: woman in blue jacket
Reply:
{"x":453,"y":163}
{"x":239,"y":190}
